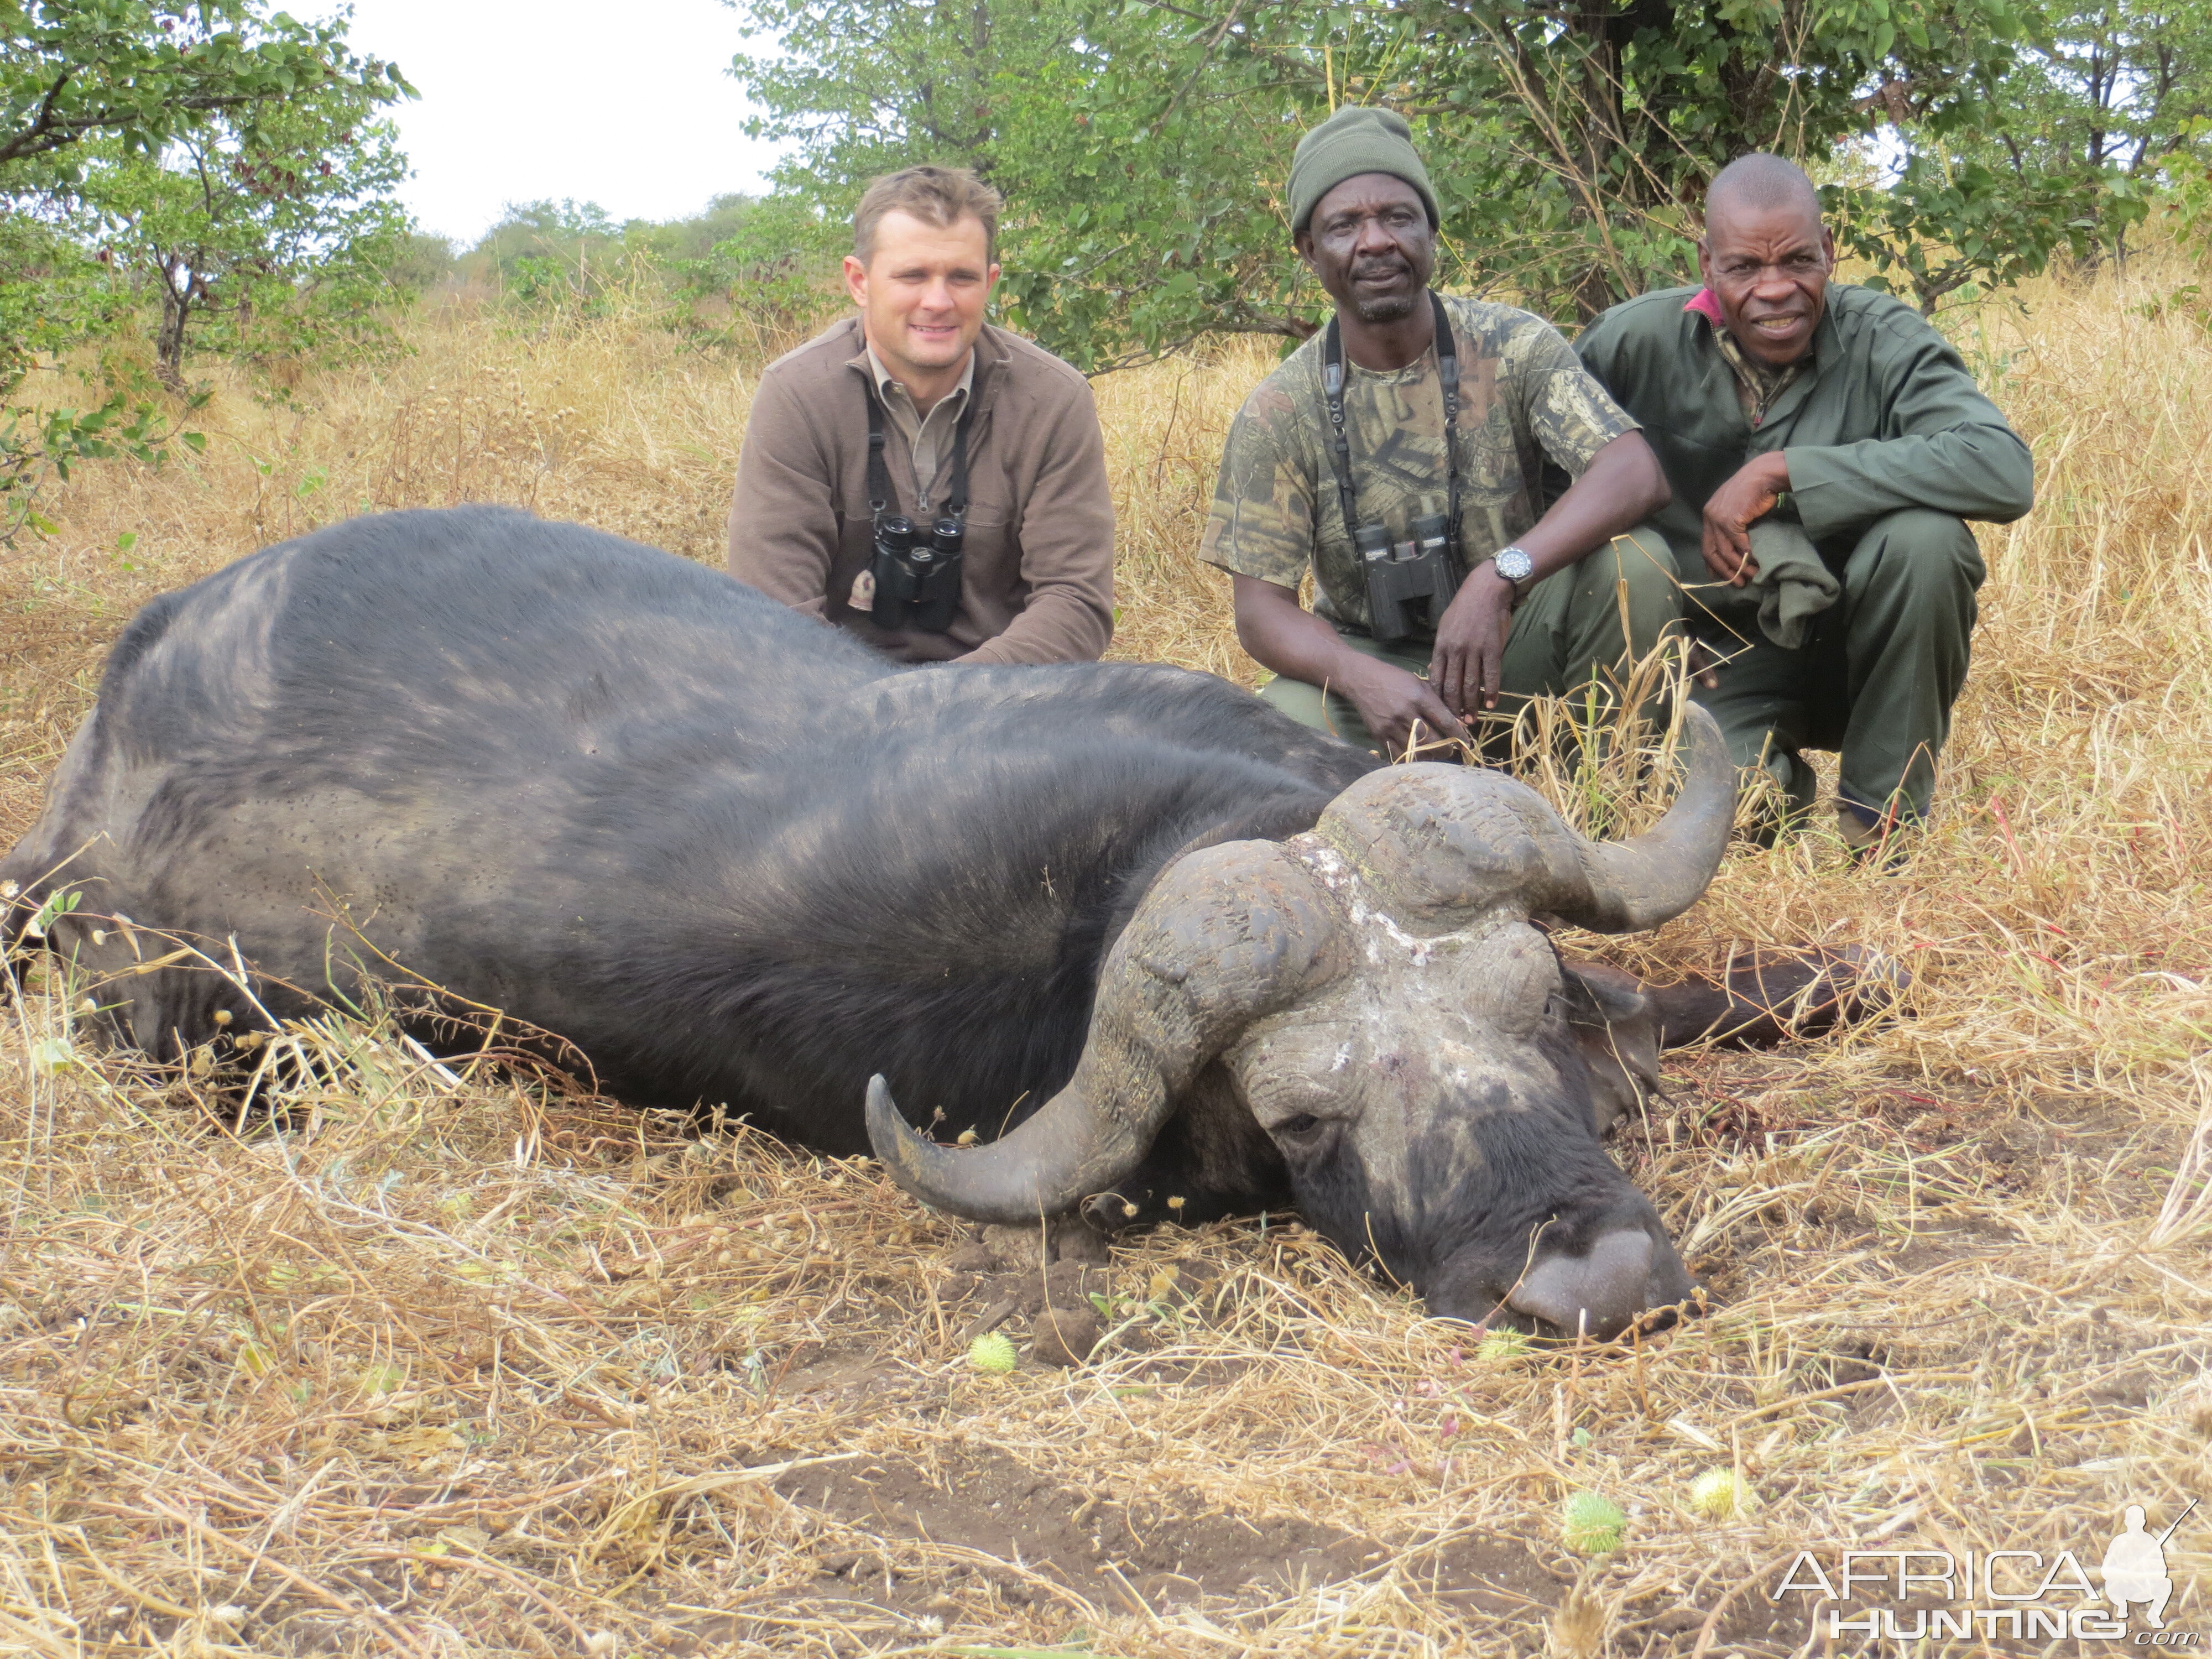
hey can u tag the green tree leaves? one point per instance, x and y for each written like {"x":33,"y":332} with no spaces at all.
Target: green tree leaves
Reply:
{"x":216,"y":156}
{"x":1991,"y":229}
{"x":1137,"y":144}
{"x":1142,"y":144}
{"x":276,"y":238}
{"x":141,"y":72}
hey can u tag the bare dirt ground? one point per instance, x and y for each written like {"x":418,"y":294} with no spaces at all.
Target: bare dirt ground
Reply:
{"x":462,"y":1364}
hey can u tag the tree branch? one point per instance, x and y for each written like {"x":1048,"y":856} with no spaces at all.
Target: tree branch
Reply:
{"x":41,"y":125}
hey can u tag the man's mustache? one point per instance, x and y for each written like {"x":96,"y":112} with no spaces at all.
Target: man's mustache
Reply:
{"x":1386,"y":267}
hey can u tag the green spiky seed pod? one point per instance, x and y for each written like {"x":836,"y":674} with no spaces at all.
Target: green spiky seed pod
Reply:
{"x":1591,"y":1525}
{"x":994,"y":1353}
{"x":1721,"y":1495}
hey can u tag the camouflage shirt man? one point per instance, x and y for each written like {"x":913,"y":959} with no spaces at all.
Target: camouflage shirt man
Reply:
{"x":1524,"y":396}
{"x":1538,"y":607}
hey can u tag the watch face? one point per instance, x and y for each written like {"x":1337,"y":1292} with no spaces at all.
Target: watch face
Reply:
{"x":1515,"y":565}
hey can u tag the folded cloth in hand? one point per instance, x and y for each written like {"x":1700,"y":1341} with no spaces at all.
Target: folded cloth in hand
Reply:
{"x":1794,"y":585}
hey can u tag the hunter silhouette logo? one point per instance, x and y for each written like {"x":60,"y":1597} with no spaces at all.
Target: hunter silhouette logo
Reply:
{"x":2135,"y":1567}
{"x":1912,"y":1595}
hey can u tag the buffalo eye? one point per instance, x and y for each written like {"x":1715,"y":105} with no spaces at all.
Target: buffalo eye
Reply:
{"x":1301,"y":1132}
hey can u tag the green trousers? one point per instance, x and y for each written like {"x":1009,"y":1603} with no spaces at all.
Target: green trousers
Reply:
{"x":1876,"y":676}
{"x":1568,"y":631}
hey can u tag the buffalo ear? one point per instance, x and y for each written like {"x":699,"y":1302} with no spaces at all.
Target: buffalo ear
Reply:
{"x":1599,"y":995}
{"x":1618,"y":1030}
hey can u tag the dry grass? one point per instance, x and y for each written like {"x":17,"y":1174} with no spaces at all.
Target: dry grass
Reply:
{"x":458,"y":1365}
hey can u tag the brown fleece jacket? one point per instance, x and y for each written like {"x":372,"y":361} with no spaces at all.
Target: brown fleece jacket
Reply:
{"x":1037,"y":575}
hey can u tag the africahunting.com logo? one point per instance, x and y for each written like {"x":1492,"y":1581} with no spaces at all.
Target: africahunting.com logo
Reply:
{"x":1918,"y":1596}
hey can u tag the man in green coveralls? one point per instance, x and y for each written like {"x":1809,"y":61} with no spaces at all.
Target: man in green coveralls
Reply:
{"x":1361,"y":492}
{"x":1824,"y":446}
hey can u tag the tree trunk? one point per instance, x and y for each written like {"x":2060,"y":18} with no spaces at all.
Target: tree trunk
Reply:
{"x":169,"y":340}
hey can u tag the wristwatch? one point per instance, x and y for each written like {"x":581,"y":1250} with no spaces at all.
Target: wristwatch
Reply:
{"x":1516,"y":567}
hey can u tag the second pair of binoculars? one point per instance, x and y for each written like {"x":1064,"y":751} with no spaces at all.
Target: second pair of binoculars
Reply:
{"x":917,"y":574}
{"x":1409,"y":583}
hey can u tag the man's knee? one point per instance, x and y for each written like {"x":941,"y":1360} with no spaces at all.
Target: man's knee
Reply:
{"x":1916,"y":552}
{"x":1324,"y":711}
{"x":1302,"y":702}
{"x":1627,"y":585}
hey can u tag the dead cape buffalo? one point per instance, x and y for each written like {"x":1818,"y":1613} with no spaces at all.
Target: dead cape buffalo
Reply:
{"x":1165,"y":950}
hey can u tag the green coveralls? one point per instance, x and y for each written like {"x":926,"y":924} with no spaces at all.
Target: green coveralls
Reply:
{"x":1890,"y":446}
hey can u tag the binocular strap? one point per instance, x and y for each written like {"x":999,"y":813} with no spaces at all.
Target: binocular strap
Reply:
{"x":1339,"y":445}
{"x":880,"y":492}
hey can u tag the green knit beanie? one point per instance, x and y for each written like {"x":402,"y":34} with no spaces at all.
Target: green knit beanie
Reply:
{"x":1359,"y":138}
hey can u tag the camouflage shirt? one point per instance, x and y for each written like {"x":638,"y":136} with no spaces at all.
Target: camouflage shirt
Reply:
{"x":1524,"y":395}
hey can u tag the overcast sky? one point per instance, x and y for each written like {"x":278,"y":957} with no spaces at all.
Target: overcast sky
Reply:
{"x":627,"y":105}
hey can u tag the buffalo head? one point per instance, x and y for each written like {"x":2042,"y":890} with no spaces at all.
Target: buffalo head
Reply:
{"x":1383,"y":1004}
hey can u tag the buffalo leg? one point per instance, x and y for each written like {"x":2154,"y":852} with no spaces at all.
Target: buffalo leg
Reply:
{"x":1764,"y":994}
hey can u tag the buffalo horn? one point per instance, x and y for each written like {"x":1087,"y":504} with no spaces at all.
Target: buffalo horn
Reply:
{"x":1627,"y":885}
{"x":1226,"y":936}
{"x":1440,"y":845}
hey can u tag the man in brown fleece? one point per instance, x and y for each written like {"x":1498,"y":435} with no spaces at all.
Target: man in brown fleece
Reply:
{"x":979,"y":430}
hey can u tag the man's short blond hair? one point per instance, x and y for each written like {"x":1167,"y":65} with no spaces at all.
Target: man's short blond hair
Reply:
{"x":937,"y":196}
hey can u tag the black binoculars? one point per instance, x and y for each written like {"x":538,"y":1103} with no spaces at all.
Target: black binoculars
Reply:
{"x":1410,"y":583}
{"x":917,"y":575}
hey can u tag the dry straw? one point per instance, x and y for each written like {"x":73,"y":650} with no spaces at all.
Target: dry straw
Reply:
{"x":459,"y":1363}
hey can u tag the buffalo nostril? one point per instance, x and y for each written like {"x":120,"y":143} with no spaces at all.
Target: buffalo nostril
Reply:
{"x":1598,"y":1293}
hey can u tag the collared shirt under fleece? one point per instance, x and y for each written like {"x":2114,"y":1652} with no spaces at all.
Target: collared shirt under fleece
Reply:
{"x":928,"y":437}
{"x":1757,"y":385}
{"x":1038,"y":571}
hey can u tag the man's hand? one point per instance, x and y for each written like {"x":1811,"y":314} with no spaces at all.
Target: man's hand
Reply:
{"x":1470,"y":653}
{"x":1282,"y":635}
{"x":1734,"y":507}
{"x":1621,"y":487}
{"x":1393,"y":703}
